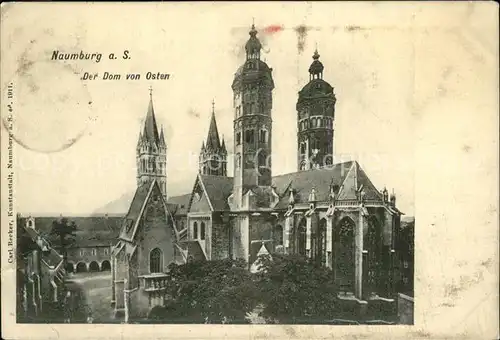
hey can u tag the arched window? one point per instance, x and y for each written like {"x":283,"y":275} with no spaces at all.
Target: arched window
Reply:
{"x":249,"y":136}
{"x":195,"y":230}
{"x":263,"y":136}
{"x":202,"y":231}
{"x":155,"y":261}
{"x":302,"y":165}
{"x":299,"y":238}
{"x":373,"y":243}
{"x":344,"y":254}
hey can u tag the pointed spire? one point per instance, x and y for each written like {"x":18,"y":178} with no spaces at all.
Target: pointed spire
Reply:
{"x":291,"y":198}
{"x":150,"y":127}
{"x":223,"y":146}
{"x":140,"y":139}
{"x":213,"y":141}
{"x":312,"y":195}
{"x":162,"y":136}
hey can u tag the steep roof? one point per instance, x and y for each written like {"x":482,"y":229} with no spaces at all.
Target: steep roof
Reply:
{"x":142,"y":194}
{"x":134,"y":211}
{"x":302,"y":183}
{"x":150,"y":132}
{"x":49,"y":255}
{"x":218,"y":189}
{"x":194,"y":249}
{"x":179,"y":204}
{"x":213,"y":141}
{"x":91,"y":230}
{"x":347,"y":176}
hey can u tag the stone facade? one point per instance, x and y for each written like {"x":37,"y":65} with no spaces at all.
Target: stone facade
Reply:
{"x":330,"y":212}
{"x":40,"y":273}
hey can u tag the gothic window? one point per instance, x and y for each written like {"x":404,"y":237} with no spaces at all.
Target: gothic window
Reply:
{"x":263,"y":136}
{"x":202,"y":231}
{"x":195,"y":230}
{"x":155,"y":261}
{"x":344,"y":254}
{"x":238,"y":138}
{"x":249,"y":136}
{"x":318,"y":122}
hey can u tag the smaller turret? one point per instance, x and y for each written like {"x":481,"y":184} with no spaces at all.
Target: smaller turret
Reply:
{"x":213,"y":153}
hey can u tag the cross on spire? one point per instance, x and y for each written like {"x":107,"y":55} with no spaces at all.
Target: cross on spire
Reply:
{"x":150,"y":91}
{"x":213,"y":105}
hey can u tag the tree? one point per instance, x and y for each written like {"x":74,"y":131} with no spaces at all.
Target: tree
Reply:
{"x":65,"y":232}
{"x":293,"y":289}
{"x":208,"y":291}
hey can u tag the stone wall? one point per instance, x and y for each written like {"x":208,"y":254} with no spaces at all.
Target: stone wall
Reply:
{"x":220,"y":238}
{"x":155,"y":232}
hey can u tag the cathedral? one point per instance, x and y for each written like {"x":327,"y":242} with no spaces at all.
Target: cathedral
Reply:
{"x":330,"y":212}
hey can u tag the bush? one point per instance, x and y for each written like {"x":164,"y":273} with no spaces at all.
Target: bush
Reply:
{"x":209,"y":291}
{"x":294,"y":289}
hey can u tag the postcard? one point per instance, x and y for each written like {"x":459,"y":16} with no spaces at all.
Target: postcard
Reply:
{"x":250,"y":170}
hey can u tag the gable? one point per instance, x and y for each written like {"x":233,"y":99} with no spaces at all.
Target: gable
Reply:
{"x":134,"y":213}
{"x":349,"y":186}
{"x":199,"y":199}
{"x":154,"y":209}
{"x":371,"y":192}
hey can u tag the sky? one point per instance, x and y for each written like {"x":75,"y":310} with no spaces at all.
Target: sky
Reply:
{"x":79,"y":136}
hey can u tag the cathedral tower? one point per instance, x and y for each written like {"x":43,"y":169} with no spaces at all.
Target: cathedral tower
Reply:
{"x":151,"y":152}
{"x":213,"y":154}
{"x":252,"y":92}
{"x":315,"y":117}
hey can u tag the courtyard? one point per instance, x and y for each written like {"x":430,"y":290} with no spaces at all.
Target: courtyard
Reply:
{"x":91,"y":297}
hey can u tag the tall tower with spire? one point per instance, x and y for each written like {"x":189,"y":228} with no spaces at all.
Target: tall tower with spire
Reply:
{"x":151,"y":152}
{"x":213,"y":154}
{"x":315,"y":118}
{"x":252,"y":91}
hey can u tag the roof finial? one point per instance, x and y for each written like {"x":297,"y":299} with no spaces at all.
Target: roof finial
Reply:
{"x":150,"y":92}
{"x":213,"y":106}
